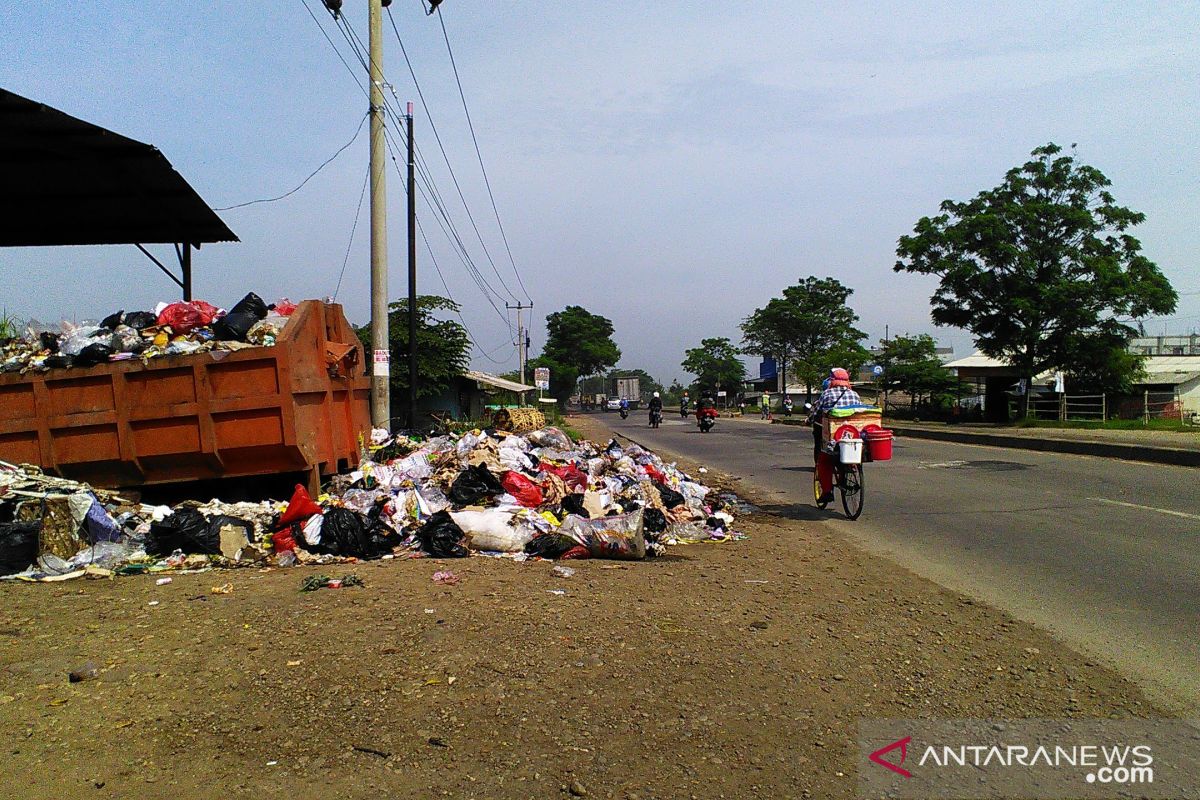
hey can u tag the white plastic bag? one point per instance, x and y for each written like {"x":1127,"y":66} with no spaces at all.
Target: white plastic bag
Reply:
{"x":493,"y":529}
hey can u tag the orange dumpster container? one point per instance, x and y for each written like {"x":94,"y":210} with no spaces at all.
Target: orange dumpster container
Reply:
{"x":298,"y":407}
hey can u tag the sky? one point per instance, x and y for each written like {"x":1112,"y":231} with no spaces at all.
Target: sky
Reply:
{"x":671,"y":166}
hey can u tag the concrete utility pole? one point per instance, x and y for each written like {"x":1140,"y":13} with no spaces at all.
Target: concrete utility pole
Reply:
{"x":522,"y":340}
{"x":412,"y":277}
{"x":381,"y":414}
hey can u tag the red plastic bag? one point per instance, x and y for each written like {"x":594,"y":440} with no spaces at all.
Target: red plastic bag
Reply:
{"x":283,"y":541}
{"x":654,"y":473}
{"x":576,"y":552}
{"x":570,"y":474}
{"x":285,"y":307}
{"x":528,"y":493}
{"x":300,"y":508}
{"x":186,"y":317}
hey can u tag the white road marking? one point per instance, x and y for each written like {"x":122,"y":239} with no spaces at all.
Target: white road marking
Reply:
{"x":1183,"y":514}
{"x":942,"y":465}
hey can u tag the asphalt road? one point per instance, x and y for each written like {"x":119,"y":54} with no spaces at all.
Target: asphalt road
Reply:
{"x":1104,"y":554}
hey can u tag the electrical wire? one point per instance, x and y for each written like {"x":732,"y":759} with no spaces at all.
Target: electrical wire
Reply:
{"x":354,"y":41}
{"x":461,"y":251}
{"x":357,"y":47}
{"x":353,"y":228}
{"x":478,"y":154}
{"x":438,"y":138}
{"x":311,"y":175}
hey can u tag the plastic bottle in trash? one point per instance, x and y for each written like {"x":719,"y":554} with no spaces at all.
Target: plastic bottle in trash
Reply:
{"x":285,"y":558}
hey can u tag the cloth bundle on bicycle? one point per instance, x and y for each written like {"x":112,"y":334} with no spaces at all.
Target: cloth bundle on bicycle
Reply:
{"x":849,"y":411}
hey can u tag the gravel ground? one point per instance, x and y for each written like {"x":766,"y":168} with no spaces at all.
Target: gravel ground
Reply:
{"x":722,"y":670}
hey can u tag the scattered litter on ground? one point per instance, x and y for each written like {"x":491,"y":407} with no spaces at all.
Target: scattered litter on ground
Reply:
{"x":445,"y":577}
{"x":560,"y":571}
{"x":314,"y":582}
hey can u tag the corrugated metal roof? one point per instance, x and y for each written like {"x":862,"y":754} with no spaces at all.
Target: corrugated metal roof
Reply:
{"x":499,"y":383}
{"x":67,"y":182}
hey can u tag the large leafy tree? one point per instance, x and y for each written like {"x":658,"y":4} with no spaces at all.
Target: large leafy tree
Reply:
{"x":443,"y":346}
{"x":578,"y":343}
{"x":716,"y":365}
{"x":1042,"y":269}
{"x":811,"y":327}
{"x":910,"y":364}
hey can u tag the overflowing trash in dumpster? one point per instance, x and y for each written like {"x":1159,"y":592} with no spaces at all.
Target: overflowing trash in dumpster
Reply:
{"x":537,"y":495}
{"x":179,"y":328}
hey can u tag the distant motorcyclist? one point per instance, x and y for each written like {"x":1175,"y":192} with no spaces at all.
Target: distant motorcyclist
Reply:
{"x":656,"y":406}
{"x":684,"y":403}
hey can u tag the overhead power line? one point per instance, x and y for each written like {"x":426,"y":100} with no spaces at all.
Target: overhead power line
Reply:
{"x":438,"y":138}
{"x":311,"y":175}
{"x":479,"y":155}
{"x":353,"y":228}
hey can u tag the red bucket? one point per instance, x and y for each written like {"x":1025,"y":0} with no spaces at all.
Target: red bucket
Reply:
{"x":879,"y":444}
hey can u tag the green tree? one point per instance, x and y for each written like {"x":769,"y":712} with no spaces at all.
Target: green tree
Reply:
{"x":443,"y":347}
{"x":716,"y":365}
{"x":910,"y":364}
{"x":578,"y":344}
{"x":810,"y":326}
{"x":1041,"y":269}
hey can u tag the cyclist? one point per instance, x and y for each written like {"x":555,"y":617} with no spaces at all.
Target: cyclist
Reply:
{"x":836,"y":393}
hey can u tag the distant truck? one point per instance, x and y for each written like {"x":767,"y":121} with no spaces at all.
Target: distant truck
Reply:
{"x":630,"y":389}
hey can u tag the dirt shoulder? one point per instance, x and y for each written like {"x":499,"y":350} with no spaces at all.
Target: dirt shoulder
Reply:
{"x":725,"y":670}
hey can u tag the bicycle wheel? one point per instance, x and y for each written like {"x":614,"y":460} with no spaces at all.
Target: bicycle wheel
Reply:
{"x":817,"y":493}
{"x":850,"y":480}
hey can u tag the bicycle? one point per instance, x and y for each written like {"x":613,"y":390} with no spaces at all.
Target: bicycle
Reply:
{"x":848,"y":480}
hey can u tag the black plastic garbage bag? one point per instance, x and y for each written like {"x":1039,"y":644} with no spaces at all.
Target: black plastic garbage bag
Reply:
{"x":93,"y":354}
{"x":221,"y":521}
{"x":441,"y":537}
{"x":18,"y":546}
{"x":382,"y":539}
{"x":473,"y":485}
{"x":185,"y":530}
{"x":548,"y":545}
{"x":49,"y":341}
{"x":58,"y":362}
{"x":344,"y":533}
{"x":241,"y":318}
{"x":113,"y":320}
{"x":654,"y":521}
{"x":140,"y":319}
{"x":573,"y":504}
{"x":670,"y":497}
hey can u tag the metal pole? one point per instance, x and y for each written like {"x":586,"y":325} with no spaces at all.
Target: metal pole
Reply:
{"x":522,"y":349}
{"x":381,"y":415}
{"x":412,"y":277}
{"x":186,"y":267}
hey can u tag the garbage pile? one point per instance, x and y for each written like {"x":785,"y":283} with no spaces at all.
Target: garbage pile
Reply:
{"x":179,"y":328}
{"x":520,"y":496}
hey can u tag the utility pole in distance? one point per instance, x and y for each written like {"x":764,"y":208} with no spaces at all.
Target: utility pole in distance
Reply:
{"x":412,"y":277}
{"x":522,"y":339}
{"x":381,"y":401}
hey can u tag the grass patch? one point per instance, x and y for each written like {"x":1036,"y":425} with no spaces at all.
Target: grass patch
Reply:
{"x":1173,"y":425}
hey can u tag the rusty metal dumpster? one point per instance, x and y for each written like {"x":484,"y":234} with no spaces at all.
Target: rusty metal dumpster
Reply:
{"x":298,"y":407}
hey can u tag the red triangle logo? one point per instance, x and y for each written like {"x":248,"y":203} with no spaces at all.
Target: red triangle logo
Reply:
{"x":902,"y":745}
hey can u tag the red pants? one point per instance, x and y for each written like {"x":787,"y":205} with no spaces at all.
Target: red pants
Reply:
{"x":825,"y":472}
